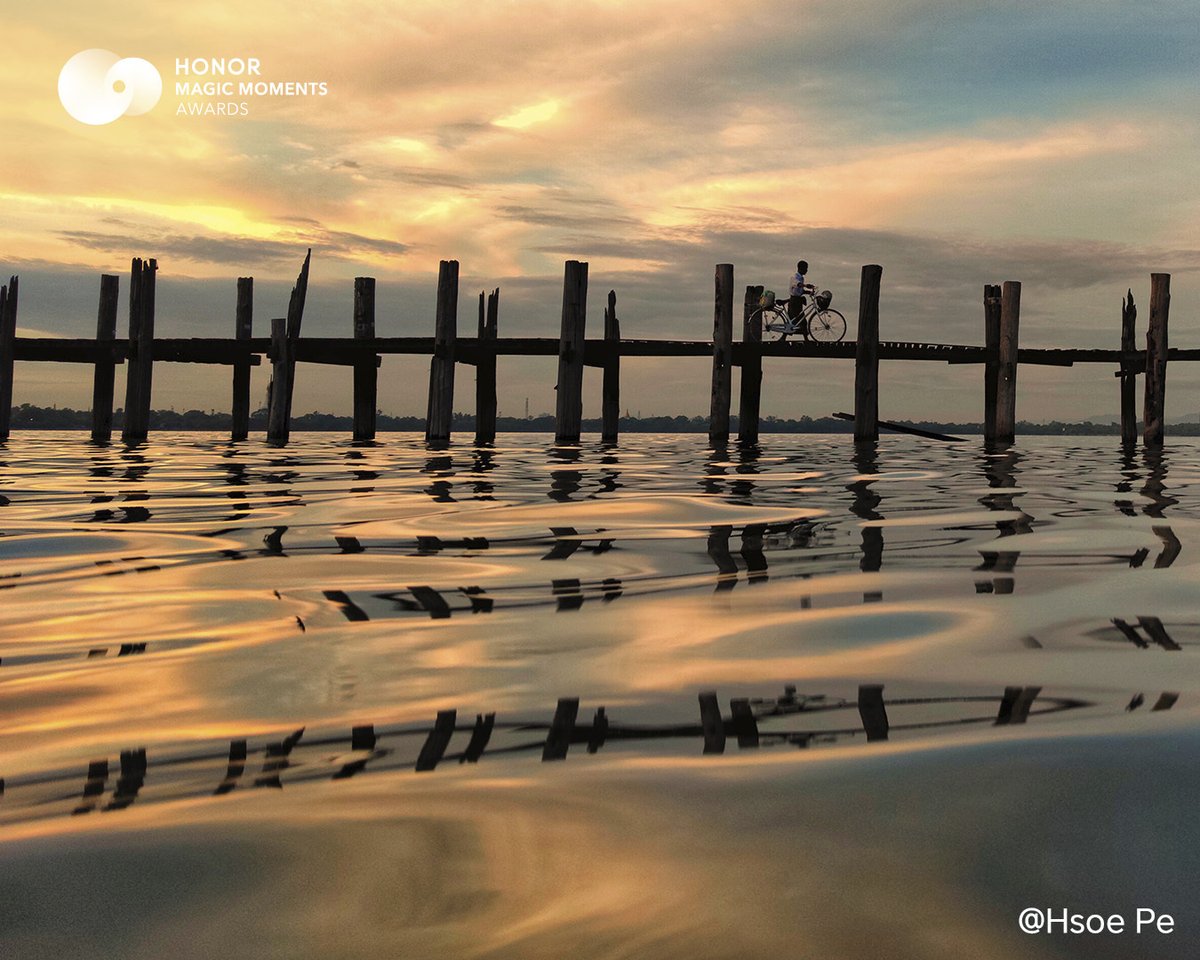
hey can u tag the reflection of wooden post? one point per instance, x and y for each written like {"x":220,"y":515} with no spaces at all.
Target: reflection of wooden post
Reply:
{"x":1128,"y":375}
{"x":282,"y":365}
{"x":366,"y":374}
{"x":872,"y":711}
{"x":1006,"y":378}
{"x":243,"y":330}
{"x":751,"y":398}
{"x":558,"y":740}
{"x":485,"y":369}
{"x":722,"y":370}
{"x":104,"y":378}
{"x":140,"y":368}
{"x":8,"y":346}
{"x":866,"y":356}
{"x":1156,"y":359}
{"x":712,"y":724}
{"x":991,"y":366}
{"x":568,"y":417}
{"x":611,"y":390}
{"x":440,"y":412}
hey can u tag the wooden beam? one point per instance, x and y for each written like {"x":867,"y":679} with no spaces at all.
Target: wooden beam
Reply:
{"x":8,"y":336}
{"x":440,"y":410}
{"x":140,"y":371}
{"x":991,"y":368}
{"x":104,"y":377}
{"x":1128,"y":374}
{"x":1156,"y":360}
{"x":568,"y":415}
{"x":243,"y":329}
{"x":866,"y":356}
{"x":366,"y":377}
{"x":611,"y":390}
{"x":1006,"y":379}
{"x":485,"y":369}
{"x":751,"y":386}
{"x":722,"y":355}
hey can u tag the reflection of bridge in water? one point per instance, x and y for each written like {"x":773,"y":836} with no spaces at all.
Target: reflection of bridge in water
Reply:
{"x":790,"y":720}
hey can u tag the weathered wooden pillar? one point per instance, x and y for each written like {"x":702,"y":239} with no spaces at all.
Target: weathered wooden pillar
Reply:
{"x":8,"y":336}
{"x":282,"y":365}
{"x":991,"y":366}
{"x":722,"y":369}
{"x":1128,"y":370}
{"x":440,"y":412}
{"x":485,"y":369}
{"x":104,"y":378}
{"x":243,"y":329}
{"x":366,"y":370}
{"x":1006,"y":376}
{"x":1156,"y":360}
{"x":866,"y":356}
{"x":140,"y":366}
{"x":568,"y":418}
{"x":283,"y":355}
{"x":751,"y":398}
{"x":611,"y":390}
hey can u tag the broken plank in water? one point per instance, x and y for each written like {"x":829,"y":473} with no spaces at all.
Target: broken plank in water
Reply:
{"x":900,"y":428}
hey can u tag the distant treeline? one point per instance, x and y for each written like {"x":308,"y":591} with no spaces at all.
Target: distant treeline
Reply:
{"x":29,"y":417}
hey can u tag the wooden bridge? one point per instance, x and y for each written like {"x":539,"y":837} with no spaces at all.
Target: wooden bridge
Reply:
{"x":1000,"y":356}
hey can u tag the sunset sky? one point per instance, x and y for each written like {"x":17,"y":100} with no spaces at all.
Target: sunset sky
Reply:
{"x":957,"y":144}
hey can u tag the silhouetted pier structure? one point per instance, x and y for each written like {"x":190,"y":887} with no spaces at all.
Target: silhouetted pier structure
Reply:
{"x":1000,"y":355}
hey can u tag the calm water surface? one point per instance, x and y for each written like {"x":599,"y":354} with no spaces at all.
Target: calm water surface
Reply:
{"x":221,"y":666}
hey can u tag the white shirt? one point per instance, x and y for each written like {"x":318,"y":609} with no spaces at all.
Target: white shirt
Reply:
{"x":797,"y":288}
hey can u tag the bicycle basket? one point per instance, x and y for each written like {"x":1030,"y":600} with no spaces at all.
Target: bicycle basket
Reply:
{"x":824,"y":299}
{"x":767,"y":300}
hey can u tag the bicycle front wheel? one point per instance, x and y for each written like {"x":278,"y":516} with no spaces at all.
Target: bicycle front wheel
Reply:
{"x":827,"y":326}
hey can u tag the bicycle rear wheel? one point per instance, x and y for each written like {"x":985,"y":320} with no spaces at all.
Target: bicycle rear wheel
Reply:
{"x":827,"y":326}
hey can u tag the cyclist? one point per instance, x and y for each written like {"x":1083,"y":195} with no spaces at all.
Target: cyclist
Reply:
{"x":797,"y":290}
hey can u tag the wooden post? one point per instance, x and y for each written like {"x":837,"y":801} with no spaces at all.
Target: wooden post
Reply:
{"x":282,"y":365}
{"x":611,"y":391}
{"x":568,"y":415}
{"x":722,"y":370}
{"x":1128,"y":374}
{"x":243,"y":329}
{"x":751,"y":399}
{"x":140,"y":368}
{"x":991,"y":367}
{"x":104,"y":377}
{"x":366,"y":373}
{"x":279,"y":406}
{"x":440,"y":412}
{"x":8,"y":335}
{"x":1156,"y":360}
{"x":485,"y":369}
{"x":866,"y":356}
{"x":1006,"y":359}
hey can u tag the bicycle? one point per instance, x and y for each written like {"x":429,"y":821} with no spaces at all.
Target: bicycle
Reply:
{"x":817,"y":321}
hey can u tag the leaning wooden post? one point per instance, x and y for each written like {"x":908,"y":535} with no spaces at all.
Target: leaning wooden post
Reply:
{"x":611,"y":391}
{"x":8,"y":346}
{"x":866,"y":356}
{"x":366,"y":373}
{"x":485,"y":369}
{"x":751,"y":388}
{"x":440,"y":411}
{"x":1128,"y":370}
{"x":140,"y":368}
{"x":104,"y":378}
{"x":991,"y":366}
{"x":568,"y":417}
{"x":243,"y":329}
{"x":1006,"y":377}
{"x":282,"y":365}
{"x":1156,"y":359}
{"x":722,"y":347}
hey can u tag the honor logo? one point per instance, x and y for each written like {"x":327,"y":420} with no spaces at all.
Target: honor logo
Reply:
{"x":97,"y":87}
